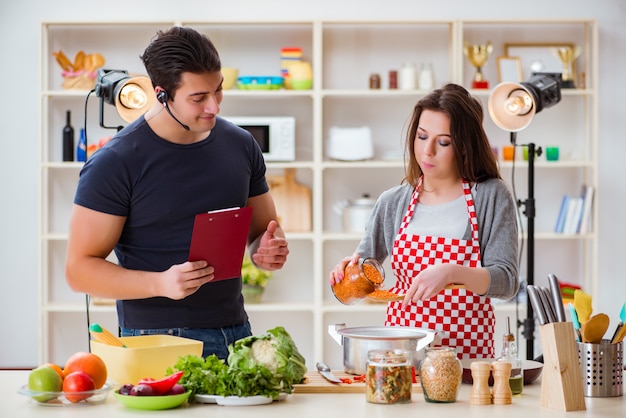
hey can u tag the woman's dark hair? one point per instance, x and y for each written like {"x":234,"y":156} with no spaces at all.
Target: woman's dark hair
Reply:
{"x":178,"y":50}
{"x":475,"y":159}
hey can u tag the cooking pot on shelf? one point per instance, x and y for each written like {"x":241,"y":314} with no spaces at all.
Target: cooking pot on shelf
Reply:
{"x":355,"y":213}
{"x":358,"y":341}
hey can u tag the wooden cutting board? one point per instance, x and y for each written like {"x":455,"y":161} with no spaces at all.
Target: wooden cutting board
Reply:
{"x":292,"y":200}
{"x":316,"y":383}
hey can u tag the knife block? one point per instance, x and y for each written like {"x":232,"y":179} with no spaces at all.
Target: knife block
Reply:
{"x":561,"y":383}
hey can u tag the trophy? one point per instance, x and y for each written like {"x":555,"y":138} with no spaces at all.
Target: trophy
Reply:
{"x":477,"y":56}
{"x":567,"y":55}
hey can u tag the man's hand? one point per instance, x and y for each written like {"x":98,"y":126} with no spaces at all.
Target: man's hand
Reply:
{"x":272,"y":251}
{"x":182,"y":280}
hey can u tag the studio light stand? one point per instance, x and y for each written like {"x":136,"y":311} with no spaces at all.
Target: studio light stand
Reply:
{"x":132,"y":96}
{"x":512,"y":107}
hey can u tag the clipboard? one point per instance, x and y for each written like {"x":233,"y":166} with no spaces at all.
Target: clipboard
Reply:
{"x":220,"y":238}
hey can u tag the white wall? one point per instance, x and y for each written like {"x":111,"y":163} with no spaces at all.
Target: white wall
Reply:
{"x":19,"y":128}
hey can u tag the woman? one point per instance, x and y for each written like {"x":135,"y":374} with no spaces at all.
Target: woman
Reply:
{"x":450,"y":227}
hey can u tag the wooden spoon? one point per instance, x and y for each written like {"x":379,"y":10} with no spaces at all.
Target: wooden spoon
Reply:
{"x":582,"y":303}
{"x":594,"y":329}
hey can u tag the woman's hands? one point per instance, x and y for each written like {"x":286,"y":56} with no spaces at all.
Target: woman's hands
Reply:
{"x":430,"y":282}
{"x":336,"y":274}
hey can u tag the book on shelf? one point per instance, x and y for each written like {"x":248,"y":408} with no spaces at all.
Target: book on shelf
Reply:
{"x":585,"y":223}
{"x":575,"y":213}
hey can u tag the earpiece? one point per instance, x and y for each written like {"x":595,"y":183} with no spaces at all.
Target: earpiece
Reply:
{"x":162,"y":98}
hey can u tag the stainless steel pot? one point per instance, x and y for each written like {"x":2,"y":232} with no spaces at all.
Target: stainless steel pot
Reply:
{"x":355,"y":213}
{"x":358,"y":341}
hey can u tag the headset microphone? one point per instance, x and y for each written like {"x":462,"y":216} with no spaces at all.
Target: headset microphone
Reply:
{"x":162,"y":97}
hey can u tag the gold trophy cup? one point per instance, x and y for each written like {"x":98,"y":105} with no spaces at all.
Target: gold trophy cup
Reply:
{"x":567,"y":55}
{"x":477,"y":56}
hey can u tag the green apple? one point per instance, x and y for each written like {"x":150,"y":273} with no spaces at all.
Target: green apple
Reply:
{"x":44,"y":379}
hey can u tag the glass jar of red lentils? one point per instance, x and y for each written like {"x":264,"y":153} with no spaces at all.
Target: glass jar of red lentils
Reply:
{"x":359,"y":280}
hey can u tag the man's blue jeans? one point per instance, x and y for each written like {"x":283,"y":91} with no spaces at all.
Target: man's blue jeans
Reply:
{"x":216,"y":340}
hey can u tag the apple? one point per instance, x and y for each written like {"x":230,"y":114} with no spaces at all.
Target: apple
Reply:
{"x":76,"y":382}
{"x":44,"y":379}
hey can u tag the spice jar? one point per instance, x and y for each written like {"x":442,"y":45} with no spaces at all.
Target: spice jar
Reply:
{"x":359,"y":280}
{"x":388,"y":377}
{"x":440,"y":374}
{"x":374,"y":81}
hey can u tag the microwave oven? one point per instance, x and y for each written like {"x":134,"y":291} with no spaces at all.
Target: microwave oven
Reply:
{"x":276,"y":135}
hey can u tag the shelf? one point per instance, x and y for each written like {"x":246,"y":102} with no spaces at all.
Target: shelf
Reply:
{"x":343,"y":55}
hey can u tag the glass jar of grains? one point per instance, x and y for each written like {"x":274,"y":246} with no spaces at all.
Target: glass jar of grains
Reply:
{"x":359,"y":280}
{"x":388,"y":377}
{"x":440,"y":374}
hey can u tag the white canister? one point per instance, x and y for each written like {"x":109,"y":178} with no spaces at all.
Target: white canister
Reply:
{"x":407,"y":77}
{"x":426,"y":77}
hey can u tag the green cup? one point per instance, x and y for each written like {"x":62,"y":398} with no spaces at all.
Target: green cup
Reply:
{"x":552,"y":153}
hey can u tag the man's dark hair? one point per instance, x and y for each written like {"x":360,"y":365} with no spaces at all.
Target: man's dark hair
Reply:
{"x":179,"y":50}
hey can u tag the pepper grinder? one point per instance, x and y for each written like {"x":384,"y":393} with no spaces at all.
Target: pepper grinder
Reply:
{"x":502,"y":394}
{"x":481,"y":395}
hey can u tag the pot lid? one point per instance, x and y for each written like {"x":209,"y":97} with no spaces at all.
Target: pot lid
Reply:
{"x":383,"y":333}
{"x":365,"y":200}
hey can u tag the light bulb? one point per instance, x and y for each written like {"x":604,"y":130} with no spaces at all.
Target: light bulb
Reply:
{"x":518,"y":103}
{"x":133,"y":96}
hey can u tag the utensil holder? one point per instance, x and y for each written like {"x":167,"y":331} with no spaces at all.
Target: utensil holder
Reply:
{"x":601,"y":367}
{"x":561,"y":383}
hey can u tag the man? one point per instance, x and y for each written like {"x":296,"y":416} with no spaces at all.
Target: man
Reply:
{"x":140,"y":193}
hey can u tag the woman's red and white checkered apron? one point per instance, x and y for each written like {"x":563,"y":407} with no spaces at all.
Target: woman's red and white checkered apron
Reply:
{"x":466,"y":318}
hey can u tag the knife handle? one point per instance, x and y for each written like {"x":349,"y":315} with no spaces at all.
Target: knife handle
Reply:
{"x":544,"y":295}
{"x":557,"y":300}
{"x":536,"y":304}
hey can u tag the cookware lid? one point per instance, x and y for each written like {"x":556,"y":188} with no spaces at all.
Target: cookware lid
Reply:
{"x":383,"y":333}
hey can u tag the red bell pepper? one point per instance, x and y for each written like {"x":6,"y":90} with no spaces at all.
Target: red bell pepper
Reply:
{"x":162,"y":386}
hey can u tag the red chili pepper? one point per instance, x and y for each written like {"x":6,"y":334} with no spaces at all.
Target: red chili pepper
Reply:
{"x":162,"y":386}
{"x":360,"y":378}
{"x":413,"y":373}
{"x":345,"y":380}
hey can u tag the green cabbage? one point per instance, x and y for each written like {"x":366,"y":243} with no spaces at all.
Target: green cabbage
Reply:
{"x":264,"y":365}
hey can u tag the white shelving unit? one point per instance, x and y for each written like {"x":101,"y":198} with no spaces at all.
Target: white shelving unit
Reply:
{"x":343,"y":55}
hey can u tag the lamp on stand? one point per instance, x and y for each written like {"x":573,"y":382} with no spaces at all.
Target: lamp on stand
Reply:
{"x":512,"y":107}
{"x":132,"y":96}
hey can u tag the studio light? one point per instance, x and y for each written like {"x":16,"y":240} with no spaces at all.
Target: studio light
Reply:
{"x":132,"y":96}
{"x":512,"y":107}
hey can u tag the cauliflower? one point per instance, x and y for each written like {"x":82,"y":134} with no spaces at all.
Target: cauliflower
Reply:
{"x":263,"y":351}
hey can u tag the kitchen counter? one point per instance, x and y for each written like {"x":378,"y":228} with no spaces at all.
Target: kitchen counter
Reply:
{"x":314,"y":405}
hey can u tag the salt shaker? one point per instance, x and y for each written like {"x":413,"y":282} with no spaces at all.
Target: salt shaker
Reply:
{"x":502,"y":394}
{"x":481,"y":394}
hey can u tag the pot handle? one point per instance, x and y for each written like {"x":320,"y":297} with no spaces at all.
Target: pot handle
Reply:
{"x":332,"y":331}
{"x":339,"y":207}
{"x":427,"y":339}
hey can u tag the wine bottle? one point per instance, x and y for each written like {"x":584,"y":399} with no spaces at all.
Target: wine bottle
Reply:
{"x":68,"y":138}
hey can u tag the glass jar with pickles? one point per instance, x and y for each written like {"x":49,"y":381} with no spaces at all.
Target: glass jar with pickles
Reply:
{"x":388,"y":377}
